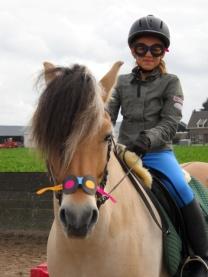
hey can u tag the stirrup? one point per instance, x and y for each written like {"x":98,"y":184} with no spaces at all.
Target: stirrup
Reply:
{"x":194,"y":258}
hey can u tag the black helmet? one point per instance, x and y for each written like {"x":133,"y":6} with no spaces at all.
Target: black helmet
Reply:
{"x":149,"y":25}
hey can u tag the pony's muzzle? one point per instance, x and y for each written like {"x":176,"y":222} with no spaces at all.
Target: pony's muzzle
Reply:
{"x":78,"y":222}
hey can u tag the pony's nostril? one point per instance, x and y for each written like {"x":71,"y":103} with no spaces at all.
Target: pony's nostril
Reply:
{"x":94,"y":216}
{"x":63,"y":216}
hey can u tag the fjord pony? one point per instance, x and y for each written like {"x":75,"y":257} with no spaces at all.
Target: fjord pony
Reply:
{"x":72,"y":129}
{"x":199,"y":170}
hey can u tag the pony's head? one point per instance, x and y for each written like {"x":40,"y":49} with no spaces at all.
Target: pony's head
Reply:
{"x":71,"y":128}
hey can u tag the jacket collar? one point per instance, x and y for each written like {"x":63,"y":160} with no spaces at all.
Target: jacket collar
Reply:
{"x":136,"y":75}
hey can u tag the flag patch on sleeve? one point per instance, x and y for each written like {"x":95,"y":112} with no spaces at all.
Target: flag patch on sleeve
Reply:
{"x":178,"y":106}
{"x":178,"y":99}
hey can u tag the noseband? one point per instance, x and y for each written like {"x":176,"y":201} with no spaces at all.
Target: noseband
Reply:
{"x":87,"y":183}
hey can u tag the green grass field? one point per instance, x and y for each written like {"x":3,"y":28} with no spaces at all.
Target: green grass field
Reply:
{"x":191,"y":153}
{"x":25,"y":160}
{"x":20,"y":160}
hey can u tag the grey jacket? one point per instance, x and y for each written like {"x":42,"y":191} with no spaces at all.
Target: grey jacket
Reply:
{"x":152,"y":106}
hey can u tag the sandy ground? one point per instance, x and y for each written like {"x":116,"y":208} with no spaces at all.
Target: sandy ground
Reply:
{"x":21,"y":252}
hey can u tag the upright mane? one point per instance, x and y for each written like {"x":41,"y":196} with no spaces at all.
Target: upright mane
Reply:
{"x":66,"y":112}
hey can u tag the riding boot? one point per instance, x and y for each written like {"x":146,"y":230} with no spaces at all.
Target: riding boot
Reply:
{"x":197,"y":233}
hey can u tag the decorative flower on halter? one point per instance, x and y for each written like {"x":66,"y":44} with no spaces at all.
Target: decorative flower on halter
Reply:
{"x":72,"y":183}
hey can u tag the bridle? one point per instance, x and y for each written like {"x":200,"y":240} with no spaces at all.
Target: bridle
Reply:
{"x":100,"y":198}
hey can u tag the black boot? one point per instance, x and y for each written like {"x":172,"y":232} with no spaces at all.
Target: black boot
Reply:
{"x":197,"y":232}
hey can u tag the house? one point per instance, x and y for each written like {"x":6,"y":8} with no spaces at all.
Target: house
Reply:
{"x":182,"y":135}
{"x":19,"y":134}
{"x":15,"y":133}
{"x":27,"y":137}
{"x":182,"y":127}
{"x":198,"y":127}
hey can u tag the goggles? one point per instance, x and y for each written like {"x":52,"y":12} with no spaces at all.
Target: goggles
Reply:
{"x":72,"y":183}
{"x":156,"y":50}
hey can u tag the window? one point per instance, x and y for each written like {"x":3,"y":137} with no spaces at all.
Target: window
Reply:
{"x":201,"y":123}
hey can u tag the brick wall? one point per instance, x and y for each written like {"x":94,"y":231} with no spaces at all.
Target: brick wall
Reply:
{"x":20,"y":207}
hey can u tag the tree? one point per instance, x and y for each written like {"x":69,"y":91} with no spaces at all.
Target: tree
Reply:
{"x":205,"y":106}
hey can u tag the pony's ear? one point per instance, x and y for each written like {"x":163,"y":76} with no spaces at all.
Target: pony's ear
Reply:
{"x":108,"y":81}
{"x":48,"y":72}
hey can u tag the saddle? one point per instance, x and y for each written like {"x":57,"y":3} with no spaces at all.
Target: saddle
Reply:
{"x":176,"y":247}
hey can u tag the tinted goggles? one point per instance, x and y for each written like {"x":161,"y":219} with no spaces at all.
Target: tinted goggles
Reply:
{"x":72,"y":183}
{"x":156,"y":50}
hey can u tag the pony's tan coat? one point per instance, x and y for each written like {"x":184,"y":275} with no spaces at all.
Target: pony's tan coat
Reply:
{"x":199,"y":170}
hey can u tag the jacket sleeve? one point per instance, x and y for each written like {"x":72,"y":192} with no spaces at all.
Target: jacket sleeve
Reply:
{"x":171,"y":115}
{"x":114,"y":104}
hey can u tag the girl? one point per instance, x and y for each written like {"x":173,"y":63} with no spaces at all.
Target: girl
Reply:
{"x":151,"y":103}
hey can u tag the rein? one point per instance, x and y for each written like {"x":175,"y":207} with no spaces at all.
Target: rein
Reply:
{"x":137,"y":183}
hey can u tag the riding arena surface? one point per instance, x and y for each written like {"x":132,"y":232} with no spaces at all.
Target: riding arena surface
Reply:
{"x":21,"y":252}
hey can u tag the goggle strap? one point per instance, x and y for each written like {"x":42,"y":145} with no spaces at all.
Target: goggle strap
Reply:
{"x":53,"y":188}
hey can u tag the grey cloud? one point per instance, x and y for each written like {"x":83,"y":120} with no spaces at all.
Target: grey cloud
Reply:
{"x":93,"y":33}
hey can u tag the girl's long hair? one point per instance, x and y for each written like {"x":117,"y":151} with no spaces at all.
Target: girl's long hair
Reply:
{"x":162,"y":67}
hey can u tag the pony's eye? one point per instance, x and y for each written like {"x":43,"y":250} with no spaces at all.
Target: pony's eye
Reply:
{"x":108,"y":137}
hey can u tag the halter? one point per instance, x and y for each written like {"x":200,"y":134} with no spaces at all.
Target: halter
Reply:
{"x":101,"y":195}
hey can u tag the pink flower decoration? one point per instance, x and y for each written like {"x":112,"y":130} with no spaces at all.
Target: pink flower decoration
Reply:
{"x":102,"y":192}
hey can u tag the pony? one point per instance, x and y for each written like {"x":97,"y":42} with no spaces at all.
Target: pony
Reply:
{"x":72,"y":129}
{"x":199,"y":170}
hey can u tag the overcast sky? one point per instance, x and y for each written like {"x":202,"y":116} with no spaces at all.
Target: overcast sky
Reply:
{"x":93,"y":33}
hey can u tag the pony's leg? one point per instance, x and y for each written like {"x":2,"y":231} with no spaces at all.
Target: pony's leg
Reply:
{"x":197,"y":234}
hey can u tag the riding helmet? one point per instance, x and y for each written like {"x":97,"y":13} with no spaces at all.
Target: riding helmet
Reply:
{"x":149,"y":25}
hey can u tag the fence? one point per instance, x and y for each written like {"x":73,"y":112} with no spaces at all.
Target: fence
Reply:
{"x":20,"y":207}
